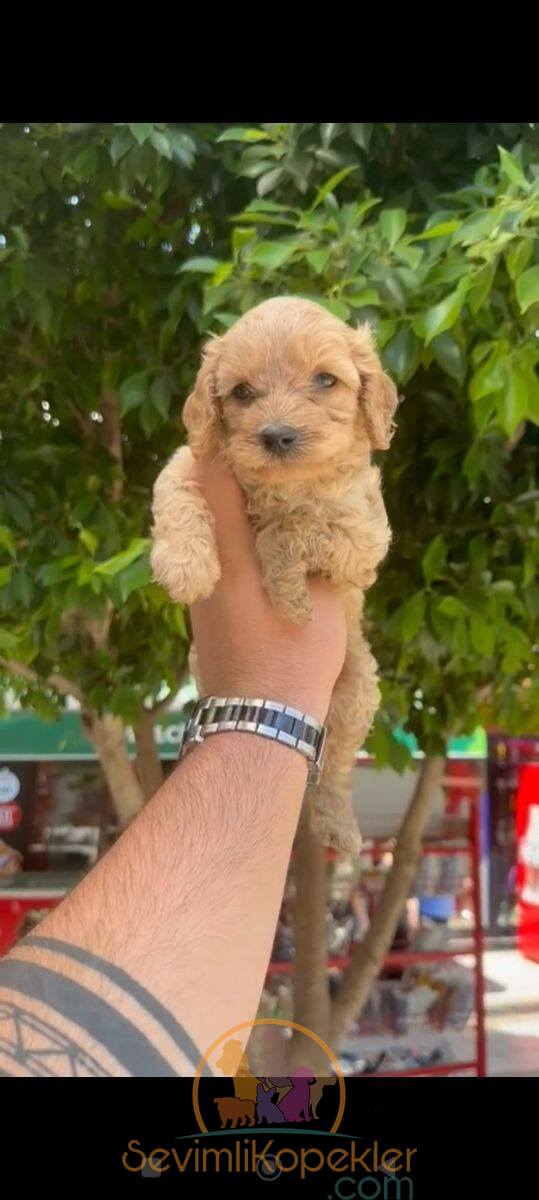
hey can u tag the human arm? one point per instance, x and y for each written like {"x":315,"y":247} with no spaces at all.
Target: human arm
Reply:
{"x":185,"y":904}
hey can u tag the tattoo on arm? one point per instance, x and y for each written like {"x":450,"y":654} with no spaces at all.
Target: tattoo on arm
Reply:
{"x":64,"y":1011}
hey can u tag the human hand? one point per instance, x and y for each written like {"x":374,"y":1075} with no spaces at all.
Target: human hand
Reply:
{"x":244,"y":647}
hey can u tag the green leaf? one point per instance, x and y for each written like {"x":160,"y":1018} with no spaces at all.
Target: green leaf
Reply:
{"x":183,"y":147}
{"x":18,"y":510}
{"x":317,"y":259}
{"x":141,"y":132}
{"x":22,"y":239}
{"x":149,"y":417}
{"x":411,"y":255}
{"x":120,"y":200}
{"x":203,"y":265}
{"x":511,"y":168}
{"x":517,"y":646}
{"x":6,"y":540}
{"x":363,"y":299}
{"x":450,"y":606}
{"x":227,"y":319}
{"x":479,"y":226}
{"x":240,"y":237}
{"x":515,"y":400}
{"x":135,"y":576}
{"x":443,"y":229}
{"x":5,"y":575}
{"x":161,"y":393}
{"x":238,"y":134}
{"x":272,"y":255}
{"x":85,"y":164}
{"x":444,"y":315}
{"x":89,"y":540}
{"x":269,"y":180}
{"x":482,"y":286}
{"x":361,"y":133}
{"x":329,"y":186}
{"x":161,"y":143}
{"x":121,"y":143}
{"x":459,"y":639}
{"x":411,"y":616}
{"x":113,"y":566}
{"x":224,"y":270}
{"x":518,"y":256}
{"x":401,"y":355}
{"x":339,"y":308}
{"x":23,"y":588}
{"x":491,"y":375}
{"x":392,"y":223}
{"x":58,"y":570}
{"x":434,"y":559}
{"x":448,"y":354}
{"x":528,"y":288}
{"x":482,"y":635}
{"x":133,"y":391}
{"x":267,"y":206}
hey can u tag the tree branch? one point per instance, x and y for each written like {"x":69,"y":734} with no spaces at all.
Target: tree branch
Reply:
{"x":111,"y":431}
{"x":60,"y":683}
{"x":180,"y":678}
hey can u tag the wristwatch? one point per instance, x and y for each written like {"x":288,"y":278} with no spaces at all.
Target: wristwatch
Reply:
{"x":268,"y":718}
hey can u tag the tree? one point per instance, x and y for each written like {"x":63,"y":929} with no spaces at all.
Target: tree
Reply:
{"x":123,"y":246}
{"x":99,"y":340}
{"x":450,"y":281}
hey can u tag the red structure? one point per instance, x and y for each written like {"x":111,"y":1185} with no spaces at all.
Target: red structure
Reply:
{"x":527,"y":818}
{"x":463,"y":787}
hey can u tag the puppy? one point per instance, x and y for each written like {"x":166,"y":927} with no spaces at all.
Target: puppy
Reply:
{"x":295,"y":401}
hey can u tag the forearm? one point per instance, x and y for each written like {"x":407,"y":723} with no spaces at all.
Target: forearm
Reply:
{"x":186,"y":902}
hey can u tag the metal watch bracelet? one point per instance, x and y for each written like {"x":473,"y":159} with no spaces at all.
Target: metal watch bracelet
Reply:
{"x":268,"y":718}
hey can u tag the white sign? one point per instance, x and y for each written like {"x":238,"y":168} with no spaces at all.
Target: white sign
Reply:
{"x":10,"y":786}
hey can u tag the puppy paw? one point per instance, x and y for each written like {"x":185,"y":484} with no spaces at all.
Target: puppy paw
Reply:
{"x":188,"y":575}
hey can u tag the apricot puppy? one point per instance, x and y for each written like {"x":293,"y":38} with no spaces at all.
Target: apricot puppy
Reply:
{"x":295,"y":401}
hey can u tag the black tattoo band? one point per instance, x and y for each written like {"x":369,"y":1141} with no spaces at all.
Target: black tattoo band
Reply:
{"x":139,"y":993}
{"x":93,"y":1015}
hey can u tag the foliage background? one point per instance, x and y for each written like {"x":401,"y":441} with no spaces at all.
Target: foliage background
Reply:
{"x":122,"y":246}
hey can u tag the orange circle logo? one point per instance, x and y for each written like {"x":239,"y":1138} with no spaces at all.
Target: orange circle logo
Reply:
{"x":260,"y":1099}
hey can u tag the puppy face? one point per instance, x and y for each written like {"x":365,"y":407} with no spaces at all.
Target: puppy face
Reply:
{"x":290,"y":392}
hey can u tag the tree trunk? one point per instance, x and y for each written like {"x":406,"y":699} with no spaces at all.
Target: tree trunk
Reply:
{"x":148,"y":764}
{"x":311,"y":995}
{"x":368,"y":958}
{"x":107,"y":735}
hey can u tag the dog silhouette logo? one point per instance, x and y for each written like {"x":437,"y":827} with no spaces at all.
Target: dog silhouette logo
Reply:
{"x":245,"y":1093}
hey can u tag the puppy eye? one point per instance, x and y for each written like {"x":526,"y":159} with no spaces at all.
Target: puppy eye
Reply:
{"x":324,"y":379}
{"x":242,"y":391}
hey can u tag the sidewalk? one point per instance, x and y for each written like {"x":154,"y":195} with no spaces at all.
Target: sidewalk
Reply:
{"x":511,"y":983}
{"x":512,"y":1014}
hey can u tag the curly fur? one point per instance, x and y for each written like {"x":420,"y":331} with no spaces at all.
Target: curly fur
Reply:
{"x":317,"y":510}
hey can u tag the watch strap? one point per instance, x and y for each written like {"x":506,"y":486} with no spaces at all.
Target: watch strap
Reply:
{"x":267,"y":718}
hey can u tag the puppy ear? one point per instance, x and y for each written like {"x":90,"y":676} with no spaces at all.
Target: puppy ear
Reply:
{"x":378,"y":398}
{"x":201,"y":409}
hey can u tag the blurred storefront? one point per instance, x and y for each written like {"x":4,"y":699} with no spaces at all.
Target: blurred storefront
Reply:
{"x":55,"y":811}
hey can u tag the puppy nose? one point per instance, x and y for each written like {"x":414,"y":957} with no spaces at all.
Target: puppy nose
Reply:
{"x":278,"y":439}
